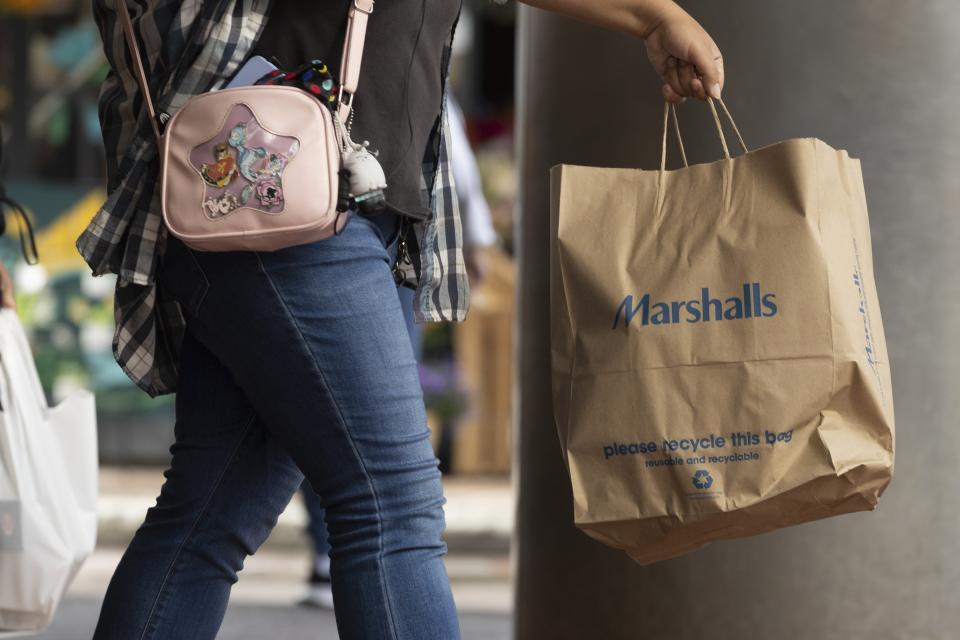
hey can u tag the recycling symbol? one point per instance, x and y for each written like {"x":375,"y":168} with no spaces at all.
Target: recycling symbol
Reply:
{"x":702,"y":479}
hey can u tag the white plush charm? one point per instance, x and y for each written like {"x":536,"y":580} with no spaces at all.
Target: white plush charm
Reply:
{"x":366,"y":177}
{"x":367,"y":180}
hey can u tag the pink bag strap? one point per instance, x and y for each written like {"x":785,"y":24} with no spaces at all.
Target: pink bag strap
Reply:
{"x":357,"y":18}
{"x":127,"y":25}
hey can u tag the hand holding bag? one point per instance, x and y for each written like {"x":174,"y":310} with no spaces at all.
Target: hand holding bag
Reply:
{"x":254,"y":168}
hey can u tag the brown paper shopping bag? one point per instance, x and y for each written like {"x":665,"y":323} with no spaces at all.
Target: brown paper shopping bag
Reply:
{"x":719,"y":363}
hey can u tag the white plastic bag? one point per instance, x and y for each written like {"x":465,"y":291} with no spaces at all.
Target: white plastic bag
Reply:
{"x":48,"y":488}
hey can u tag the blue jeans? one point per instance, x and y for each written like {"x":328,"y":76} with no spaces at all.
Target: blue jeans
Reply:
{"x":316,"y":527}
{"x":295,"y":363}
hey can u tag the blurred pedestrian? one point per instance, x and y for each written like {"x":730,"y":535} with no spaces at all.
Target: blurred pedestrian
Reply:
{"x":478,"y":231}
{"x":297,"y":362}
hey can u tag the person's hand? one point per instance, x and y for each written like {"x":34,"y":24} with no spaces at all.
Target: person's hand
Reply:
{"x":6,"y":289}
{"x":685,"y":56}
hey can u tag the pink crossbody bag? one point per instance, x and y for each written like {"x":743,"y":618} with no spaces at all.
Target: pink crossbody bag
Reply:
{"x":254,"y":168}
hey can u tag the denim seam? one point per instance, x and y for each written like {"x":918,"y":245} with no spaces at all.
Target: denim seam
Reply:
{"x":206,"y":283}
{"x":174,"y":563}
{"x":343,"y":424}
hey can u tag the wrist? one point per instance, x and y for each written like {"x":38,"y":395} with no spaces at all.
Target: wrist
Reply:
{"x":652,"y":14}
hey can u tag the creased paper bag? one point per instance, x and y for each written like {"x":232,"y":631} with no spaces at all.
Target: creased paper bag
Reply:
{"x":718,"y":357}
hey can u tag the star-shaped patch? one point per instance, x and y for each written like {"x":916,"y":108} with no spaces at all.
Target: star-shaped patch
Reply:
{"x":242,"y":166}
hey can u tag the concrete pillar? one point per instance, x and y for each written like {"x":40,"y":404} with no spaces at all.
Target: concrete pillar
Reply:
{"x":880,"y":78}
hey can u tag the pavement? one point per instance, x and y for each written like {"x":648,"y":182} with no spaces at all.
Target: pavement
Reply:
{"x":262,"y":604}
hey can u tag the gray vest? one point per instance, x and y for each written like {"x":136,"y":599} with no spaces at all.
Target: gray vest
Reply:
{"x":399,"y":96}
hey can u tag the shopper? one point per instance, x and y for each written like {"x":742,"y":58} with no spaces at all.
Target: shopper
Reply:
{"x":297,"y":362}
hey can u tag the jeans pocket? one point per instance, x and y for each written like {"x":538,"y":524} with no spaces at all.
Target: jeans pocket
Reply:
{"x":387,"y":226}
{"x":183,"y":277}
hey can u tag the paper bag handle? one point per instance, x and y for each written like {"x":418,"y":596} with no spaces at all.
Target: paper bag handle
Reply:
{"x":669,"y":109}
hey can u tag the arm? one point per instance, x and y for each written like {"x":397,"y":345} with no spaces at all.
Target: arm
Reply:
{"x":681,"y":52}
{"x":6,"y":288}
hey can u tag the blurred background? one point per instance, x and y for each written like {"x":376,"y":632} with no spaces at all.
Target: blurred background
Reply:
{"x":880,"y":78}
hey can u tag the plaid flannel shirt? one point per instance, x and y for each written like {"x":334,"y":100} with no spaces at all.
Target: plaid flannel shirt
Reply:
{"x":190,"y":47}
